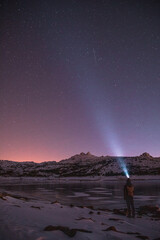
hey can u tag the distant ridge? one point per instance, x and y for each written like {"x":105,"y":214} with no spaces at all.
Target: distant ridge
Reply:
{"x":83,"y":164}
{"x":88,"y":154}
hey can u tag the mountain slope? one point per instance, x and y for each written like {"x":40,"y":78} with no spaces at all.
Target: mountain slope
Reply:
{"x":83,"y":165}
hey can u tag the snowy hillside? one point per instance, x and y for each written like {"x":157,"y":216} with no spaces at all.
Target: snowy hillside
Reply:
{"x":83,"y":165}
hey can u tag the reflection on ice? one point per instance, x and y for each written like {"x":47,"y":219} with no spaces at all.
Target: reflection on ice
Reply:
{"x":102,"y":194}
{"x":79,"y":194}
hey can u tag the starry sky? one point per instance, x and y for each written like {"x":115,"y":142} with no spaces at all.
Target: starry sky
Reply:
{"x":79,"y":76}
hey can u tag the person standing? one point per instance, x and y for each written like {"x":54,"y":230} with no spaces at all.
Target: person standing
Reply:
{"x":128,"y":196}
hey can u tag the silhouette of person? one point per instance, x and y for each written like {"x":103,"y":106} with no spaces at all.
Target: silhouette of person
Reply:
{"x":128,"y":196}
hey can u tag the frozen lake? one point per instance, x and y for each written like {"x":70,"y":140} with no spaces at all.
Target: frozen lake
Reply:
{"x":103,"y":194}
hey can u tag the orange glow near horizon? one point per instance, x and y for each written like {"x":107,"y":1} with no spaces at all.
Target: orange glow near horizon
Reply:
{"x":34,"y":158}
{"x":33,"y":151}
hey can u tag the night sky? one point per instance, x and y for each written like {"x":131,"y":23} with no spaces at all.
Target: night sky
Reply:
{"x":79,"y":76}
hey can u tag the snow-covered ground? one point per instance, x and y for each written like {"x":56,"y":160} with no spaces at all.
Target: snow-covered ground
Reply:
{"x":23,"y":219}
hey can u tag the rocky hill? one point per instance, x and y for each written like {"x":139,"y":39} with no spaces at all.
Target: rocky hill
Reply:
{"x":83,"y":165}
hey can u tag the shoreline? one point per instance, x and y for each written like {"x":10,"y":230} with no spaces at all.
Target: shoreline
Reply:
{"x":80,"y":179}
